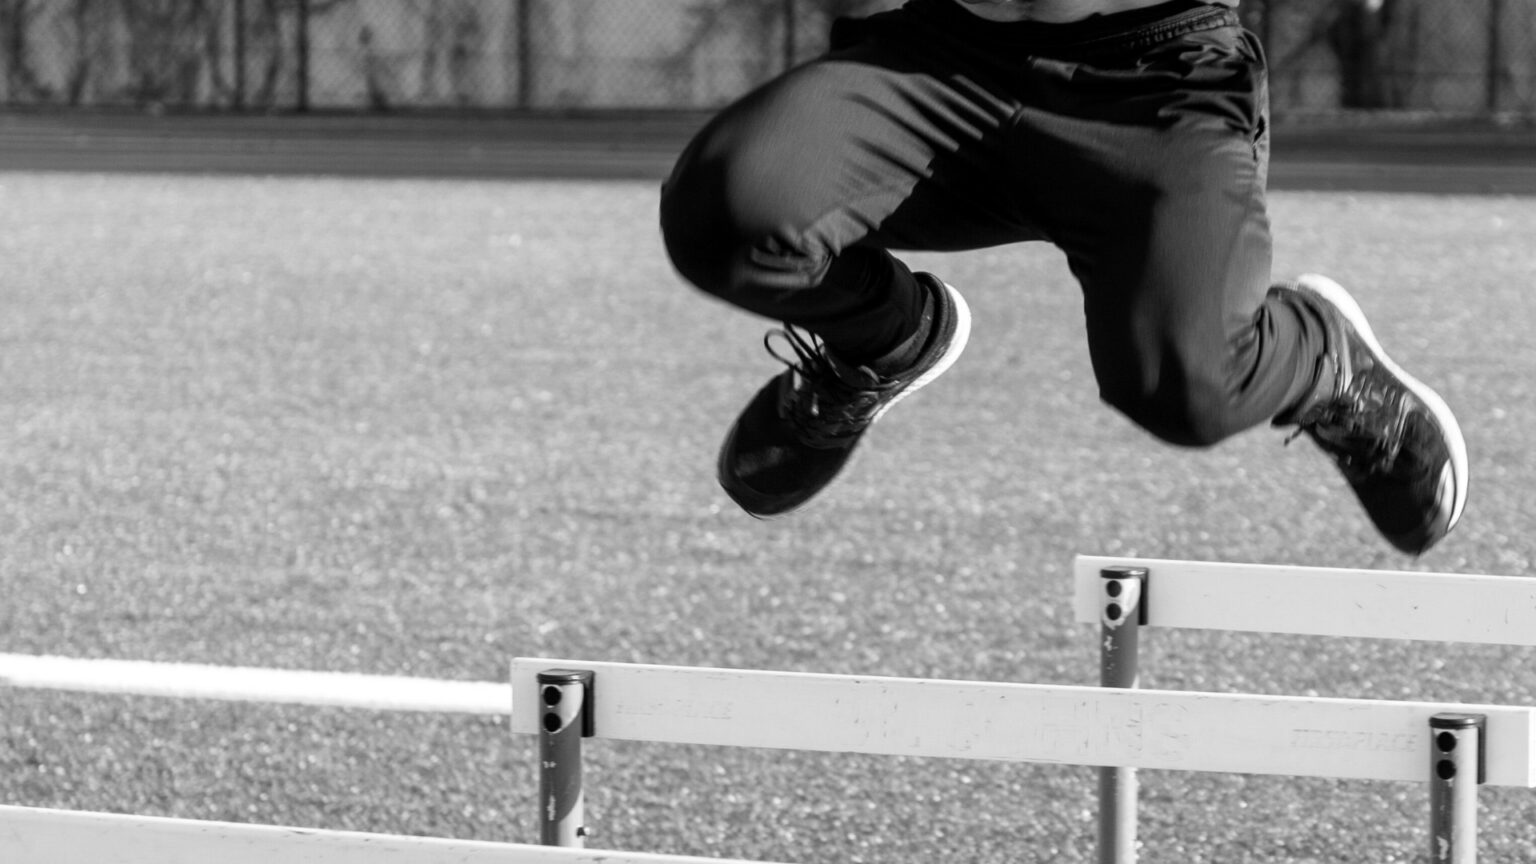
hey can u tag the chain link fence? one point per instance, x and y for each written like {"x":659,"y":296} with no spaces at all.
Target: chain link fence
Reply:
{"x":1472,"y":58}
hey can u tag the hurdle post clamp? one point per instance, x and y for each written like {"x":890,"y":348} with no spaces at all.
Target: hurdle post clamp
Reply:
{"x":1122,"y":611}
{"x":565,"y":717}
{"x":1458,"y":762}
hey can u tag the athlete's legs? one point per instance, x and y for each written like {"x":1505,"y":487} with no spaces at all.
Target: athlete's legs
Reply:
{"x":1153,"y":184}
{"x":1135,"y":142}
{"x":785,"y":203}
{"x":1156,"y":195}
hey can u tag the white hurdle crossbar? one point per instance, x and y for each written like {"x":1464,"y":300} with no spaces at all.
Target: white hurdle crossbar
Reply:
{"x":39,"y":836}
{"x":1122,"y":595}
{"x":1175,"y":730}
{"x":246,"y":684}
{"x":1322,"y":601}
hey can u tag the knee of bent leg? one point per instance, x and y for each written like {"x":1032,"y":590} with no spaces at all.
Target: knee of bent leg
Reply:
{"x":693,"y":228}
{"x":1179,"y":407}
{"x":734,"y":223}
{"x":707,"y":226}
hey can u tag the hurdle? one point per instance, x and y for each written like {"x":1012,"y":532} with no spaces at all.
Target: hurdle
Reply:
{"x":1361,"y":739}
{"x":567,"y":701}
{"x":1118,"y":726}
{"x":44,"y":836}
{"x":1123,"y":595}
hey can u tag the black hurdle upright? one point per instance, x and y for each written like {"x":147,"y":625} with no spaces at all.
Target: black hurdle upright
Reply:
{"x":1122,"y":611}
{"x":1458,"y":763}
{"x":565,"y":719}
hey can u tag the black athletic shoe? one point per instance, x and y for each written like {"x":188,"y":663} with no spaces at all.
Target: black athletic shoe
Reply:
{"x":798,"y":432}
{"x":1394,"y":439}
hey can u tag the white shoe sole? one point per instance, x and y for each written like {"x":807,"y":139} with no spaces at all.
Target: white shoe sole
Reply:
{"x":952,"y":352}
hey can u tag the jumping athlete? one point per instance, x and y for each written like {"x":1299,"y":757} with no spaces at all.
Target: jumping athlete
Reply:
{"x":1133,"y":135}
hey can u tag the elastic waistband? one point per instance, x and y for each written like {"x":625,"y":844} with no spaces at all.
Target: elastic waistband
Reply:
{"x":1120,"y":31}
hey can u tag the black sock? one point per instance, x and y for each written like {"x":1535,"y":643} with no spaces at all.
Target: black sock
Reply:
{"x":901,"y":358}
{"x":866,"y":309}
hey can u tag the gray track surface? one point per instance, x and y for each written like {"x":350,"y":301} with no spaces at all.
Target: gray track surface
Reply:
{"x":1443,"y":159}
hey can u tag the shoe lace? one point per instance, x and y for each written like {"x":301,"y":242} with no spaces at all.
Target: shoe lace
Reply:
{"x":823,"y":408}
{"x":1362,"y":428}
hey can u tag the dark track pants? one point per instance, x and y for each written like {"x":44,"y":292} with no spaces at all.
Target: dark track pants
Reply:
{"x":1135,"y":142}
